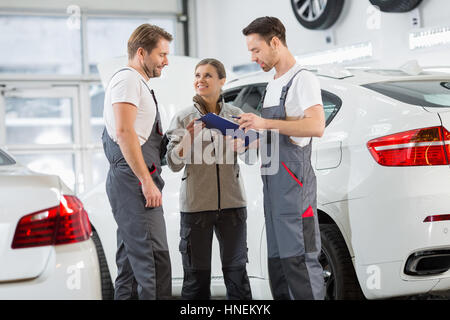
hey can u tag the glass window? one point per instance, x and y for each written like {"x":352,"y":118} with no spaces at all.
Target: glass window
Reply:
{"x":38,"y":120}
{"x":331,"y":105}
{"x":428,"y":93}
{"x":43,"y":122}
{"x":100,"y":167}
{"x":246,"y":98}
{"x":45,"y":45}
{"x":230,"y":96}
{"x":108,"y":37}
{"x":249,"y":99}
{"x":97,"y":96}
{"x":252,"y":99}
{"x":51,"y":163}
{"x":5,"y":160}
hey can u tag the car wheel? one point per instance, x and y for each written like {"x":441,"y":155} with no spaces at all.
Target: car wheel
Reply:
{"x":340,"y":278}
{"x":317,"y":14}
{"x":396,"y":5}
{"x":107,"y":285}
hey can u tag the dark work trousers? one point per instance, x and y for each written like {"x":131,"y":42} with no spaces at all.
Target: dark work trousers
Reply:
{"x":196,"y":233}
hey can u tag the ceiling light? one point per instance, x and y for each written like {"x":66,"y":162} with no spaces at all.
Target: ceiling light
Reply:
{"x":429,"y":38}
{"x":347,"y":54}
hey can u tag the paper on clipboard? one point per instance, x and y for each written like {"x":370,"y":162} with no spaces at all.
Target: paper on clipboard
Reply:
{"x":225,"y":126}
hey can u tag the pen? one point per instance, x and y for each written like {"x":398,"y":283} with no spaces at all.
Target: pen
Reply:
{"x":235,"y":117}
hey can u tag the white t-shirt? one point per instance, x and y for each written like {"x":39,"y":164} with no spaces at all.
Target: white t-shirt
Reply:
{"x":130,"y":86}
{"x":304,"y":93}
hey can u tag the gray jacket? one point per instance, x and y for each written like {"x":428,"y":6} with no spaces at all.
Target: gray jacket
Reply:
{"x":208,"y":183}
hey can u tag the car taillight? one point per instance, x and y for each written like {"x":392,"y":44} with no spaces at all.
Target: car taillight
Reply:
{"x":63,"y":224}
{"x":421,"y":147}
{"x":437,"y":218}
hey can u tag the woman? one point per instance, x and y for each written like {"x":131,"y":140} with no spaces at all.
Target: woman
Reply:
{"x":212,"y":197}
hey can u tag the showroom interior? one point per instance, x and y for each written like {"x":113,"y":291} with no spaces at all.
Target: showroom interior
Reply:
{"x":52,"y":93}
{"x":73,"y":39}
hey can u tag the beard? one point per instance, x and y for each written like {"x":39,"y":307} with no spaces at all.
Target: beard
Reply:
{"x":269,"y":62}
{"x":152,"y":71}
{"x":267,"y":68}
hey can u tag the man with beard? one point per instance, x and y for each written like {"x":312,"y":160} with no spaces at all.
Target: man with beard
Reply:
{"x":292,"y":113}
{"x":131,"y":141}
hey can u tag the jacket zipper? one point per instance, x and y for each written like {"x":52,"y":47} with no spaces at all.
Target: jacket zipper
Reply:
{"x":217,"y":175}
{"x":218,"y":185}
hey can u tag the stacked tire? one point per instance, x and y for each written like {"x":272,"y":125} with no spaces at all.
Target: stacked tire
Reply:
{"x":396,"y":5}
{"x":321,"y":15}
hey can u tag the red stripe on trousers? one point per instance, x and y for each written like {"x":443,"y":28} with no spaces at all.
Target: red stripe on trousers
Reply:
{"x":292,"y":175}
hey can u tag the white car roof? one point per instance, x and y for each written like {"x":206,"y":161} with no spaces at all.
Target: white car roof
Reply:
{"x":352,"y":76}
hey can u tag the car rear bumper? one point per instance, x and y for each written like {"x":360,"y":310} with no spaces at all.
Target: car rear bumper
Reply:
{"x":72,"y":273}
{"x":388,"y":230}
{"x":386,"y":280}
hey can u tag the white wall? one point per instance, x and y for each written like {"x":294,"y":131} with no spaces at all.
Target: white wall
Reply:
{"x":220,"y":24}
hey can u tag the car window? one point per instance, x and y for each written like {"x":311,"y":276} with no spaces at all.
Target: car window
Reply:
{"x":427,"y":93}
{"x":331,"y":105}
{"x":249,"y":99}
{"x":229,"y":96}
{"x":5,"y":160}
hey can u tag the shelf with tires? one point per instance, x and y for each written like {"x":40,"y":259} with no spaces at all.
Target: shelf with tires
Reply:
{"x":323,"y":14}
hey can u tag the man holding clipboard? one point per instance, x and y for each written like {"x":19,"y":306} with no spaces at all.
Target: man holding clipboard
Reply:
{"x":292,"y":108}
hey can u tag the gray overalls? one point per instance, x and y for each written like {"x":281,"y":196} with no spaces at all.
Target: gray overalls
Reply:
{"x":290,"y":209}
{"x":142,"y":252}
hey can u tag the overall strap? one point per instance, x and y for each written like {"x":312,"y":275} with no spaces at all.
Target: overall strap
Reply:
{"x":154,"y":98}
{"x":152,"y":93}
{"x":284,"y":92}
{"x":150,"y":90}
{"x":120,"y":70}
{"x":261,"y":103}
{"x":285,"y":89}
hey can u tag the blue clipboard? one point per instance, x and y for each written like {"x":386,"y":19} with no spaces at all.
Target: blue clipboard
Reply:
{"x":213,"y":121}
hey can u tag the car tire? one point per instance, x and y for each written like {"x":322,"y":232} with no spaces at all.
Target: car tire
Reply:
{"x":396,"y":5}
{"x":341,"y":282}
{"x":106,"y":283}
{"x":323,"y":19}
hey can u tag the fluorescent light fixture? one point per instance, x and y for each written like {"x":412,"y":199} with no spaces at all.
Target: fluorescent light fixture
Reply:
{"x":429,"y":38}
{"x":353,"y":53}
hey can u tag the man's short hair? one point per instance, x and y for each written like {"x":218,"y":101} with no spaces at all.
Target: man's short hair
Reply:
{"x":146,"y":36}
{"x":267,"y":28}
